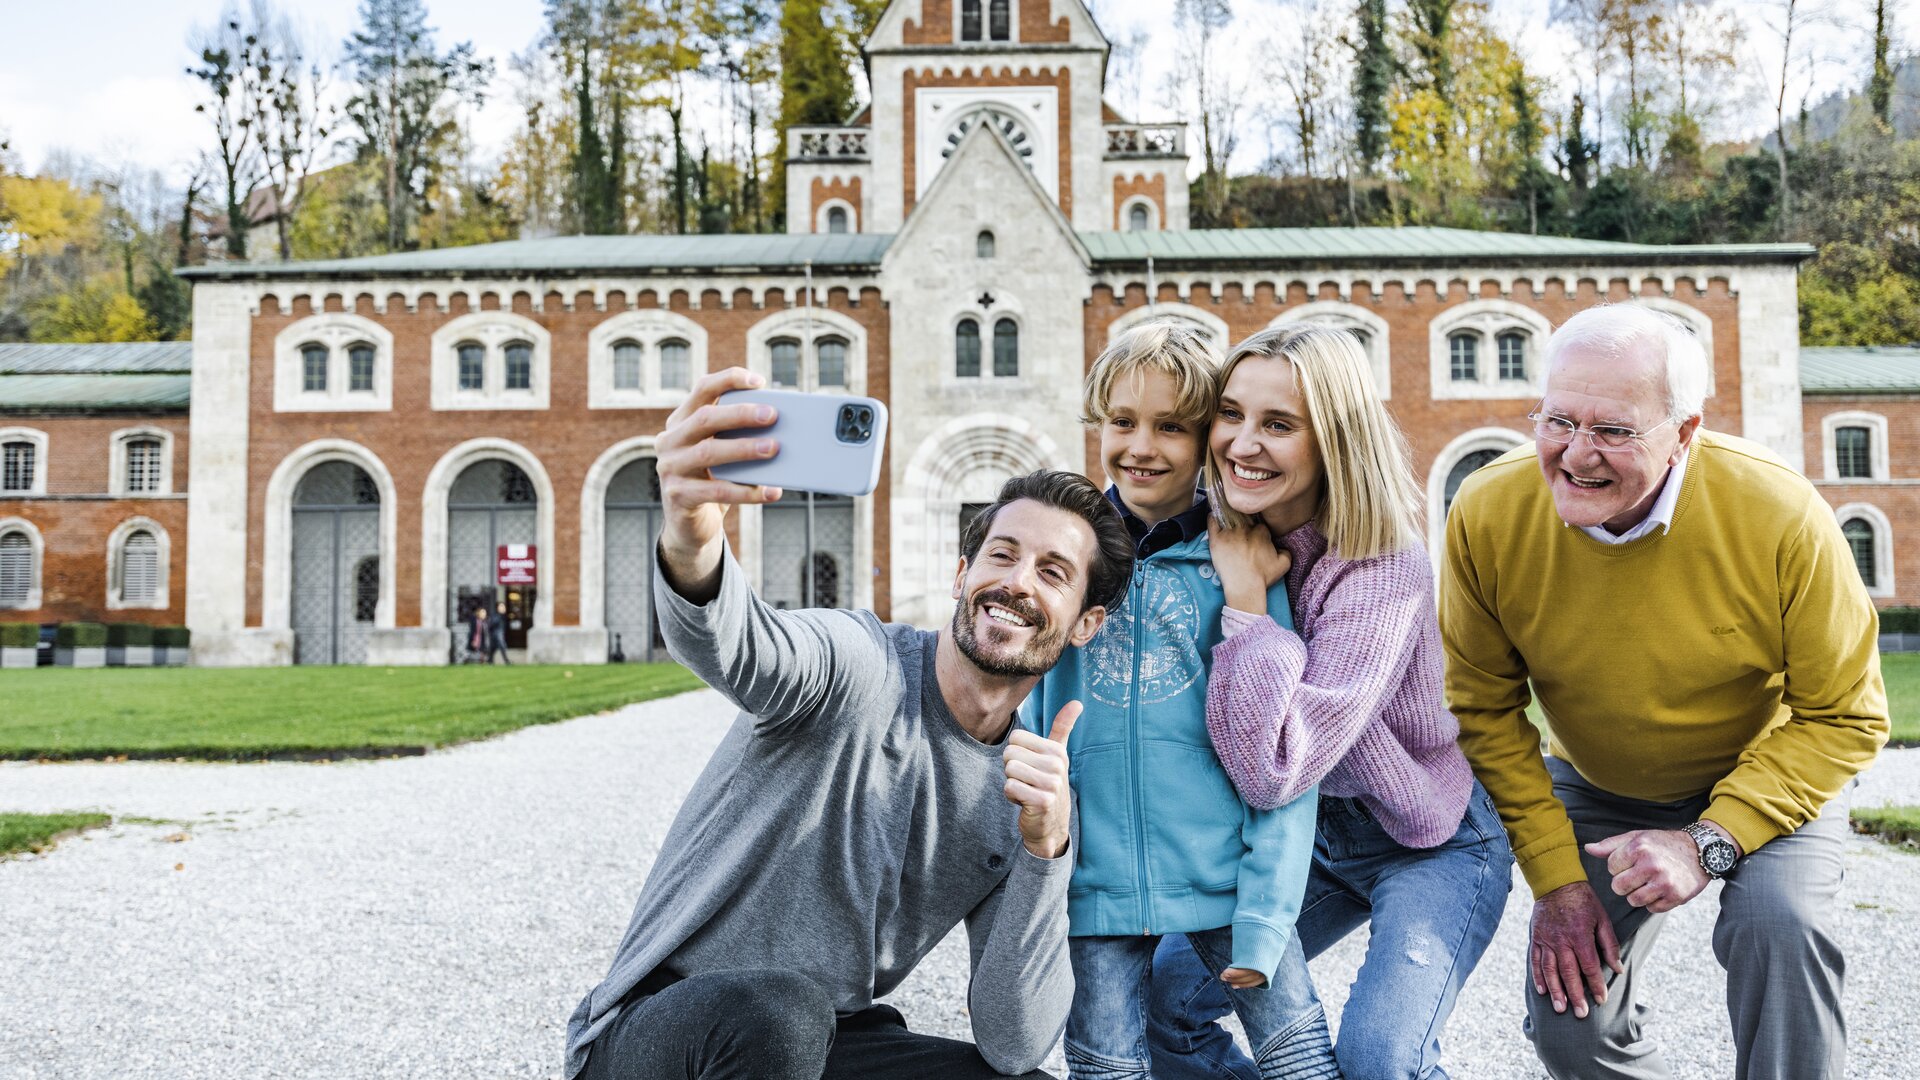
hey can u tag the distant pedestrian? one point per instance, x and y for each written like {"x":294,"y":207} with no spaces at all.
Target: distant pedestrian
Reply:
{"x":497,"y":634}
{"x":476,"y":651}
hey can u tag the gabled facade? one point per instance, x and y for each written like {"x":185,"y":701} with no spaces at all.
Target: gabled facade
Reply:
{"x":1032,"y":69}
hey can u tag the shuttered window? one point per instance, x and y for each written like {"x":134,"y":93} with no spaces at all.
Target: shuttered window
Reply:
{"x":140,"y":569}
{"x":143,"y":466}
{"x":16,"y":570}
{"x":16,"y":467}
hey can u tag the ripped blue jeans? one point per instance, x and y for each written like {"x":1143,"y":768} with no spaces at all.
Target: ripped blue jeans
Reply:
{"x":1432,"y":910}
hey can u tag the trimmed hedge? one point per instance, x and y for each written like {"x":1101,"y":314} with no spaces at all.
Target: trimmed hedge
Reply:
{"x":124,"y":635}
{"x":172,"y":637}
{"x":1900,"y":620}
{"x":19,"y":635}
{"x":81,"y":635}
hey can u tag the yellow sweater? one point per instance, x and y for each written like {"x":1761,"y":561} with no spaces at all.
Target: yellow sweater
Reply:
{"x":1736,"y":653}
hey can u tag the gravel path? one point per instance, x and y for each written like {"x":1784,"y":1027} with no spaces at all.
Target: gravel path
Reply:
{"x":441,"y":916}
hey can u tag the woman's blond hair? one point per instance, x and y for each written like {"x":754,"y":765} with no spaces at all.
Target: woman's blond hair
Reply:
{"x":1179,"y":350}
{"x":1369,"y":502}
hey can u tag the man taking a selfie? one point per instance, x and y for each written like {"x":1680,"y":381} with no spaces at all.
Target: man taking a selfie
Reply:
{"x":872,"y":795}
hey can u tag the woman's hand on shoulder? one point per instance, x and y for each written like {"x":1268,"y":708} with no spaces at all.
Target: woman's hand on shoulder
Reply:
{"x":1248,"y":561}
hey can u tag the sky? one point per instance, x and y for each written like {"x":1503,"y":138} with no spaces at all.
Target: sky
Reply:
{"x":106,"y":79}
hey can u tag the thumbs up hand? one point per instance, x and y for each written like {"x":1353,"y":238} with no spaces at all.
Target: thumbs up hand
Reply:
{"x":1037,"y":783}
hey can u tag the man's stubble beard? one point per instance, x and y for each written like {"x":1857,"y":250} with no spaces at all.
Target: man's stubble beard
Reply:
{"x":1037,"y":658}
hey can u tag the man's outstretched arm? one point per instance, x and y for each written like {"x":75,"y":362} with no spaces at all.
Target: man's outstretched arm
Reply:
{"x":778,"y":666}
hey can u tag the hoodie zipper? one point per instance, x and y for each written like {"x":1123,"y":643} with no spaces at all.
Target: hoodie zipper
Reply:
{"x":1137,"y":778}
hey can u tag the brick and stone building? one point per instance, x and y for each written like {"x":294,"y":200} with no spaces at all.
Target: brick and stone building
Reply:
{"x":368,"y":433}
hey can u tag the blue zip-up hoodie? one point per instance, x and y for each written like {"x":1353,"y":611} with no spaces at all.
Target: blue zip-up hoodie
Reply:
{"x":1166,"y":845}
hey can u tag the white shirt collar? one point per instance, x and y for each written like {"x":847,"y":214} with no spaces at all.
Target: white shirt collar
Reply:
{"x":1661,"y":517}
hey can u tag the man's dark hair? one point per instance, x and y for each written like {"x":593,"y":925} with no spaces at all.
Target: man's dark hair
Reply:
{"x":1113,"y":547}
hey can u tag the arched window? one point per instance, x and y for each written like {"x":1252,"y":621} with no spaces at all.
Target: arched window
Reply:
{"x":366,"y":588}
{"x":143,"y":466}
{"x":833,"y":361}
{"x":1853,"y":453}
{"x":837,"y":220}
{"x":313,"y":369}
{"x":1859,"y":534}
{"x":360,"y":368}
{"x":16,"y":571}
{"x":784,"y":368}
{"x":1138,"y":220}
{"x":1463,"y":355}
{"x":473,"y":365}
{"x":826,"y":581}
{"x":983,"y":244}
{"x":997,"y":20}
{"x":1006,"y":349}
{"x":139,"y":569}
{"x":519,"y":365}
{"x":626,"y":365}
{"x":969,"y":20}
{"x":17,"y":466}
{"x":1513,"y":356}
{"x":966,"y":349}
{"x":676,"y":365}
{"x":1462,"y":469}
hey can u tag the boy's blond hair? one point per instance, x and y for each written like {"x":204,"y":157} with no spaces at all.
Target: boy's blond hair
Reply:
{"x":1179,"y":350}
{"x":1370,"y":504}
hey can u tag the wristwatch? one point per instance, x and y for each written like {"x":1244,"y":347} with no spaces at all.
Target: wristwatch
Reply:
{"x":1717,"y":856}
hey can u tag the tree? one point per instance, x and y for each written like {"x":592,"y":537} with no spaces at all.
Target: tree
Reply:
{"x":1373,"y":73}
{"x":1205,"y":89}
{"x":404,"y":97}
{"x":290,"y":120}
{"x":1880,"y":89}
{"x":230,"y":63}
{"x":96,"y":311}
{"x":1780,"y":112}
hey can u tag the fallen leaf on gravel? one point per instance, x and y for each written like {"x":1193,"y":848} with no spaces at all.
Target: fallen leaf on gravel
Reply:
{"x":179,"y":866}
{"x":175,"y":838}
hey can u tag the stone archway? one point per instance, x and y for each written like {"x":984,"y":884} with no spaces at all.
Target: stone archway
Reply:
{"x":957,"y":469}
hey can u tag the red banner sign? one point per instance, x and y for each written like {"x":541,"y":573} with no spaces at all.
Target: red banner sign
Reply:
{"x":518,"y":564}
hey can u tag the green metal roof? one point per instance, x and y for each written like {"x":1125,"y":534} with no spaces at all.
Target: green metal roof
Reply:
{"x":18,"y":358}
{"x":140,"y":375}
{"x":1409,"y":243}
{"x":740,"y":253}
{"x":1860,"y":369}
{"x":79,"y":393}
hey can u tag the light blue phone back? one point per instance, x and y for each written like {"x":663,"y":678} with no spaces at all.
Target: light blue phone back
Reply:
{"x":811,"y":457}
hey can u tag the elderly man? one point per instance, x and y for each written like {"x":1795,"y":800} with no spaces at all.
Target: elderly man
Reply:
{"x":873,"y":794}
{"x":1685,"y":609}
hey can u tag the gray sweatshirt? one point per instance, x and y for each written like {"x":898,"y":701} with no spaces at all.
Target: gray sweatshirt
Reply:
{"x":844,"y":825}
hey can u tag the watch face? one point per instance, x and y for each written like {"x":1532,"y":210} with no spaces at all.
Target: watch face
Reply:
{"x":1718,"y":857}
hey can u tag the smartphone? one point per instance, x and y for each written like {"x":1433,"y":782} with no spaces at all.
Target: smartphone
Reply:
{"x":830,"y":444}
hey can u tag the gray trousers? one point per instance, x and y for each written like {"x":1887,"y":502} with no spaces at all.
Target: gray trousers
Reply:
{"x":1773,"y":937}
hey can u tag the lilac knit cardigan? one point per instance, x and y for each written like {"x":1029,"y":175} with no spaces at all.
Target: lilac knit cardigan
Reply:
{"x":1352,"y":702}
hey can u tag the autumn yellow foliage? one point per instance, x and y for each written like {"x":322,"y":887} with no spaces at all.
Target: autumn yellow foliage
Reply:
{"x":44,"y":215}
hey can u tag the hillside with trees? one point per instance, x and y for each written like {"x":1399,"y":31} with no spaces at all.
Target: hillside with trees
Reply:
{"x":667,"y":116}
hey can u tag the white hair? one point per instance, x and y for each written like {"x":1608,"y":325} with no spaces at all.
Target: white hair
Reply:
{"x":1616,"y":330}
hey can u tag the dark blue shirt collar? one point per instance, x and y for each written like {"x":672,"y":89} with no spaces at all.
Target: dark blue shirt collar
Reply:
{"x":1148,"y":540}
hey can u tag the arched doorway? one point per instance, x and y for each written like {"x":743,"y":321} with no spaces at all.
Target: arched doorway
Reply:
{"x":632,"y":530}
{"x":336,"y":564}
{"x":491,"y":504}
{"x":806,"y":551}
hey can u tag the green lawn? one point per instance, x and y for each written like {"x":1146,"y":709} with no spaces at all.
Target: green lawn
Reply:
{"x":1902,"y":674}
{"x":33,"y":832}
{"x":1894,"y":824}
{"x":251,"y":713}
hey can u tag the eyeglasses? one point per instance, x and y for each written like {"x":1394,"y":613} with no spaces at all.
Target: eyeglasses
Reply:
{"x":1606,"y":438}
